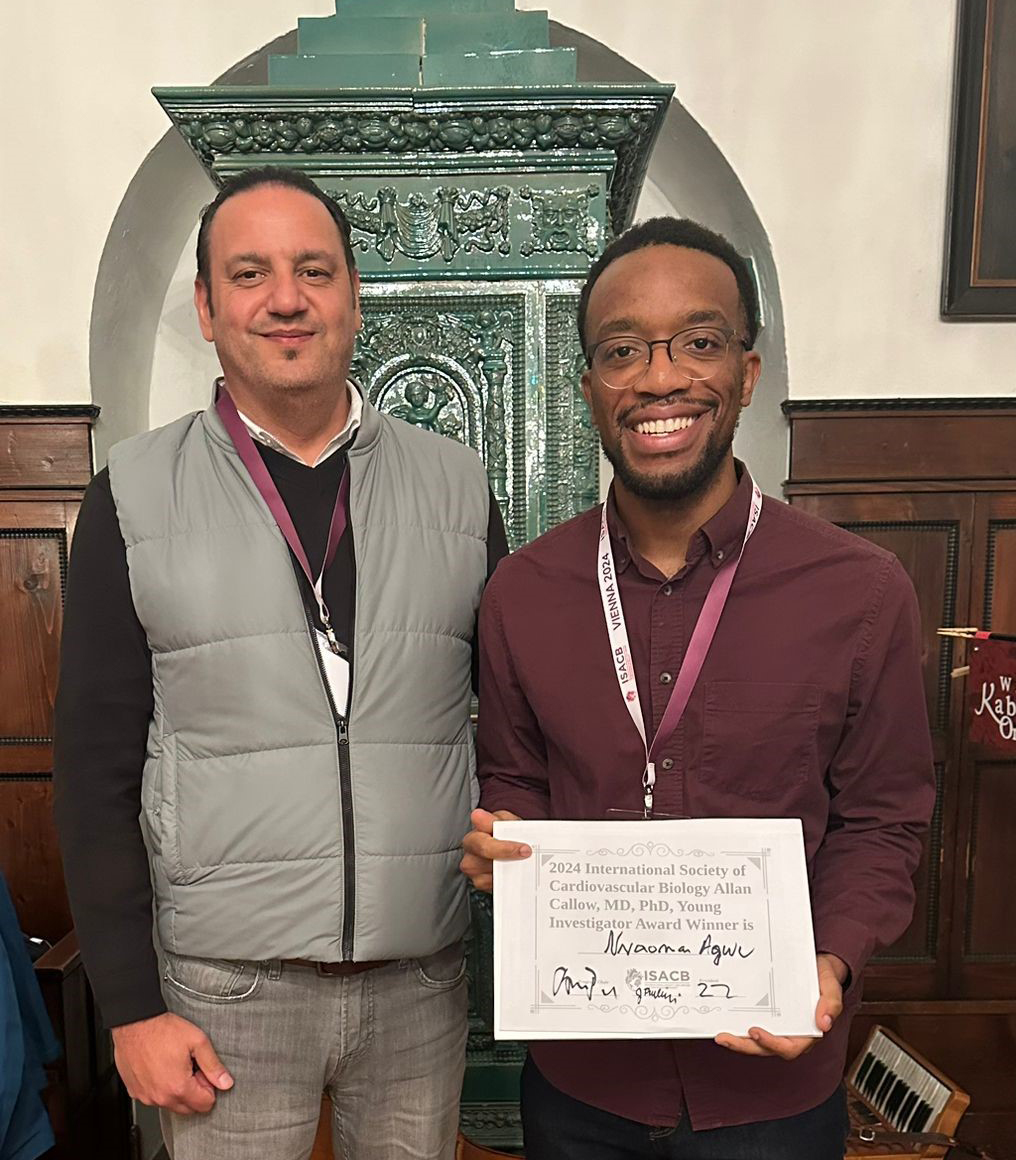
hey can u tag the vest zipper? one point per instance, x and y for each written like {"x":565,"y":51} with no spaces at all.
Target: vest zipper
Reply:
{"x":345,"y":798}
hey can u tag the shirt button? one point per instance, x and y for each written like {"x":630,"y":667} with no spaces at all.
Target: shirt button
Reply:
{"x":667,"y":763}
{"x":667,"y":589}
{"x":665,"y":678}
{"x":719,"y":554}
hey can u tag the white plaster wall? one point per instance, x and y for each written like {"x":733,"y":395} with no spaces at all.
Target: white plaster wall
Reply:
{"x":76,"y":121}
{"x":835,"y":118}
{"x":184,"y":366}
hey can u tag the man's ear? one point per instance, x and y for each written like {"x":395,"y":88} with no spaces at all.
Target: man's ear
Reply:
{"x":203,"y":306}
{"x":587,"y":389}
{"x":750,"y":371}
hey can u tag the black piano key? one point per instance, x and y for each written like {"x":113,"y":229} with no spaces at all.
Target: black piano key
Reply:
{"x":895,"y":1099}
{"x":919,"y":1114}
{"x":863,"y":1070}
{"x":884,"y":1088}
{"x":874,"y":1077}
{"x":906,"y":1109}
{"x":922,"y":1116}
{"x":912,"y":1119}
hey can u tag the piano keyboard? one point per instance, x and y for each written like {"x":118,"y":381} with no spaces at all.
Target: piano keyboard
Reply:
{"x":903,"y":1093}
{"x":891,"y":1085}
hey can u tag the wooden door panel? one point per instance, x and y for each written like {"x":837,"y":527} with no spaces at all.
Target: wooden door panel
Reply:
{"x":29,"y":857}
{"x":33,"y":565}
{"x":34,"y":539}
{"x":989,"y":930}
{"x":984,"y":944}
{"x":1000,"y":571}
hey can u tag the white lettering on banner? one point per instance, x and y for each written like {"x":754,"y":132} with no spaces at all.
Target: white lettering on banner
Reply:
{"x":1002,"y":710}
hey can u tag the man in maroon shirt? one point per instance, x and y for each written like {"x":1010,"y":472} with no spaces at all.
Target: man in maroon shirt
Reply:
{"x":809,"y":705}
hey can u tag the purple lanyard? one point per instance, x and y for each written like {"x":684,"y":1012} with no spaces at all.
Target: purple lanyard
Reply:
{"x":263,"y":481}
{"x":694,"y":657}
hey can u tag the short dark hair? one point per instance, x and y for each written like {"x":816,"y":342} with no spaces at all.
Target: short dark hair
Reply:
{"x":253,"y":179}
{"x":670,"y":231}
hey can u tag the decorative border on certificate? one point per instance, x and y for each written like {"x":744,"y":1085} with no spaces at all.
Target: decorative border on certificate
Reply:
{"x":620,"y":935}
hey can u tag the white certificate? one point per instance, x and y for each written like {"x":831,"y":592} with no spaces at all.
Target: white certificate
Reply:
{"x":675,"y":929}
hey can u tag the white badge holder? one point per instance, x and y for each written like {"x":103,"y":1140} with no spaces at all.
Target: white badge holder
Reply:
{"x":336,"y":669}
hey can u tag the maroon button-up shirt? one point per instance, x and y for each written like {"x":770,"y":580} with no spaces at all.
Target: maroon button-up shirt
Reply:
{"x":810,"y":705}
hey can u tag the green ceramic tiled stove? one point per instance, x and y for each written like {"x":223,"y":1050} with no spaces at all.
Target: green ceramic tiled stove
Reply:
{"x":480,"y":180}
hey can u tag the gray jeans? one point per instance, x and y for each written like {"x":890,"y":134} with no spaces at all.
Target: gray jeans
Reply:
{"x":387,"y":1046}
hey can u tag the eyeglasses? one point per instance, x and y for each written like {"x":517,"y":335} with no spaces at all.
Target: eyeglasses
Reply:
{"x":697,"y":353}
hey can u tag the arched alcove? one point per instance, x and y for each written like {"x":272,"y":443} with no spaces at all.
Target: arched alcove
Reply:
{"x":148,"y":362}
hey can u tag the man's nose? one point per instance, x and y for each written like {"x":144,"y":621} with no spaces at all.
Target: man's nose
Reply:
{"x":287,"y":297}
{"x":662,"y":377}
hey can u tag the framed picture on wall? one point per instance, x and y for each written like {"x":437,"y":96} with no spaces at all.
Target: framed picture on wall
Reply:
{"x":979,"y":280}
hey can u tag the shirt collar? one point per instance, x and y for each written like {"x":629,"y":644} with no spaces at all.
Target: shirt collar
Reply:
{"x":260,"y":435}
{"x":725,"y":531}
{"x":719,"y":536}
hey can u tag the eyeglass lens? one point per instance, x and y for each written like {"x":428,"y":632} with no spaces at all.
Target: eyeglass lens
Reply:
{"x":696,"y":353}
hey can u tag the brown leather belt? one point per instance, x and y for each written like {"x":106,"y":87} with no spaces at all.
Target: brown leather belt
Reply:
{"x":336,"y":969}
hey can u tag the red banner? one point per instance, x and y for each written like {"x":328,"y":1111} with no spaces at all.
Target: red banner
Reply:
{"x":992,"y":685}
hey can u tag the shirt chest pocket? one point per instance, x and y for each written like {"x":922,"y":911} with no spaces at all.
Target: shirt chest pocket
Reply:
{"x":759,"y":740}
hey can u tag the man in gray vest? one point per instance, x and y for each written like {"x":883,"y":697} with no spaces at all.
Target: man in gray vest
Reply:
{"x":267,"y":656}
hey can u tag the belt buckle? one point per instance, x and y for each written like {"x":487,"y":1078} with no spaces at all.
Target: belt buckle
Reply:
{"x":330,"y":970}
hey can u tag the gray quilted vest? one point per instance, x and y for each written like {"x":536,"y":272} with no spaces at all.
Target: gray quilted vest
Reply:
{"x":273,"y":830}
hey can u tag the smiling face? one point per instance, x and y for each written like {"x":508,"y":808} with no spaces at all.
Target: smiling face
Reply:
{"x":281,"y":305}
{"x":668,"y":437}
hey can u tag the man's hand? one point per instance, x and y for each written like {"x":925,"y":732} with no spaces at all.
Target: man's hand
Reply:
{"x":832,"y":973}
{"x":481,"y":850}
{"x":169,"y":1063}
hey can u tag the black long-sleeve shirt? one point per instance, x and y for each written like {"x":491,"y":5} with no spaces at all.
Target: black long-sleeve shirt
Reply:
{"x":103,"y":708}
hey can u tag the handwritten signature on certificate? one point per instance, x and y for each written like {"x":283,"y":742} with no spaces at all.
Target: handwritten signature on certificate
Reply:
{"x":674,"y":929}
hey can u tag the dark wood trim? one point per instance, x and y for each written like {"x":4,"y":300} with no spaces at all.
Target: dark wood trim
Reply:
{"x":884,"y":487}
{"x":84,"y":412}
{"x":37,"y":495}
{"x":939,"y":1007}
{"x":793,"y":407}
{"x":25,"y":758}
{"x":903,"y":445}
{"x":60,"y":959}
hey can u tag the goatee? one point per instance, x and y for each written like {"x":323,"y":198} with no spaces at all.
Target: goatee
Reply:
{"x":674,"y":486}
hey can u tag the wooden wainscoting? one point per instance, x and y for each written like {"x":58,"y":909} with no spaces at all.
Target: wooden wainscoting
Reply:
{"x":935,"y":482}
{"x":45,"y":465}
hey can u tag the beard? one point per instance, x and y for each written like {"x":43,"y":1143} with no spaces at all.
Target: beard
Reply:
{"x":291,"y":373}
{"x":669,"y":487}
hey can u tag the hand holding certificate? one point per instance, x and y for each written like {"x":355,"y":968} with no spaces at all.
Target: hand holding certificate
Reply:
{"x":674,"y":929}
